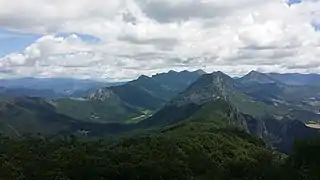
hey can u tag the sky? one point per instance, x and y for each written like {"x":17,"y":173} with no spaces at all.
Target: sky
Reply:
{"x":122,"y":39}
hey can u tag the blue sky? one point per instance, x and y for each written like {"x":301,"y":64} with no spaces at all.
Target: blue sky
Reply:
{"x":290,"y":2}
{"x":12,"y":41}
{"x":316,"y":26}
{"x":125,"y":40}
{"x":85,"y":37}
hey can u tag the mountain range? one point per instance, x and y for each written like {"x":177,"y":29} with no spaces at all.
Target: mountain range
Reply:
{"x":130,"y":102}
{"x":288,"y":78}
{"x":50,"y":87}
{"x":217,"y":94}
{"x":268,"y":106}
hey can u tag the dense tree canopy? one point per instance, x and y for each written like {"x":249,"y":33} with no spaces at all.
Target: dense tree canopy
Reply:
{"x":184,"y":151}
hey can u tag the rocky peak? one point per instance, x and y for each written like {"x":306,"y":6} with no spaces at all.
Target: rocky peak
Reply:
{"x":101,"y":94}
{"x":207,"y":88}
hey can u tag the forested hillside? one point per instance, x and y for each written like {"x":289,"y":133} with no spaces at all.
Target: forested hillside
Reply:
{"x":187,"y":151}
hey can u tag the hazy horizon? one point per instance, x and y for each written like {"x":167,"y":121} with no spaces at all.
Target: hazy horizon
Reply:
{"x":106,"y":80}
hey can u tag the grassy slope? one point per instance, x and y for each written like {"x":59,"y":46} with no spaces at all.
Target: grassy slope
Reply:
{"x":19,"y":119}
{"x":139,"y":97}
{"x":97,"y":111}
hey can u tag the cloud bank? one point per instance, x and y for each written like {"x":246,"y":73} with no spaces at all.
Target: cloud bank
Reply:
{"x":136,"y":37}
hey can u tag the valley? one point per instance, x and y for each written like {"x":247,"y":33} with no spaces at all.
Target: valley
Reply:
{"x":191,"y":125}
{"x":256,"y":103}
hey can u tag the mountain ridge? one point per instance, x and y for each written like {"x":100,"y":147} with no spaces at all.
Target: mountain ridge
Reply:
{"x":217,"y":87}
{"x":216,"y":98}
{"x":255,"y":76}
{"x":144,"y":95}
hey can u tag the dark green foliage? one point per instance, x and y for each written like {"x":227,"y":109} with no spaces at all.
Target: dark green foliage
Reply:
{"x":196,"y":142}
{"x":288,"y":131}
{"x":191,"y":151}
{"x":31,"y":115}
{"x":223,"y":154}
{"x":23,"y":116}
{"x":304,"y":160}
{"x":169,"y":115}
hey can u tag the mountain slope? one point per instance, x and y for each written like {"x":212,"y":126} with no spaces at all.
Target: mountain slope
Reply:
{"x":188,"y":151}
{"x":257,"y":77}
{"x":214,"y":101}
{"x":215,"y":97}
{"x":291,"y":99}
{"x":129,"y":102}
{"x":178,"y":81}
{"x":153,"y":92}
{"x":100,"y":107}
{"x":144,"y":93}
{"x":297,"y":79}
{"x":31,"y":115}
{"x":219,"y":85}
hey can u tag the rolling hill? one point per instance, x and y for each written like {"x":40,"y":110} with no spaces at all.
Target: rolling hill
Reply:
{"x":20,"y":117}
{"x":30,"y":116}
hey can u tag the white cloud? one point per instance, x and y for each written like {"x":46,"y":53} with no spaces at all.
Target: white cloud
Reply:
{"x":147,"y":36}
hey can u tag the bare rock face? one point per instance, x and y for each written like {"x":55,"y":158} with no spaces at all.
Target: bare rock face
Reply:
{"x":102,"y":94}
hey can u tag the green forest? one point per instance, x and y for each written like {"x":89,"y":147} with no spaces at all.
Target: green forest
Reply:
{"x":183,"y":151}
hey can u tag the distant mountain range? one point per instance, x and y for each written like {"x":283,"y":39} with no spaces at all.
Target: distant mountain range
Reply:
{"x":50,"y":87}
{"x":127,"y":103}
{"x":274,"y":107}
{"x":297,"y":79}
{"x":288,"y":79}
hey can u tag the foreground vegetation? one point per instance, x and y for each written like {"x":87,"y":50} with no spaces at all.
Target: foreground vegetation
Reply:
{"x":183,"y":151}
